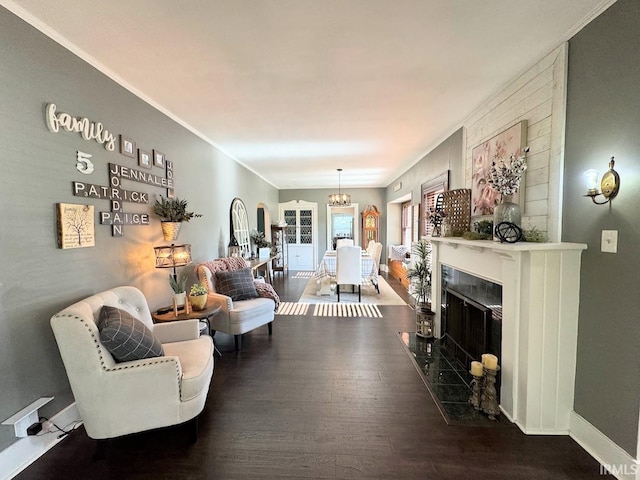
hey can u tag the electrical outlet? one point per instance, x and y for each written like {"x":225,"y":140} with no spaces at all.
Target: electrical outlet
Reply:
{"x":609,"y":242}
{"x":47,"y":426}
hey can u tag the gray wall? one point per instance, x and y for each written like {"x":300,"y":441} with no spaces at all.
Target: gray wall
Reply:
{"x":603,"y":120}
{"x":446,"y":156}
{"x":37,"y":279}
{"x":361,"y":196}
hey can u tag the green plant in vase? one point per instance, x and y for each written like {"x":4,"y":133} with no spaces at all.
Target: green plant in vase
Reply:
{"x":178,"y":285}
{"x":172,"y":212}
{"x":198,"y":296}
{"x":420,"y":275}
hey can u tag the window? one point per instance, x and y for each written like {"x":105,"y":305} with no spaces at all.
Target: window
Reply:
{"x":406,"y":224}
{"x":430,"y":192}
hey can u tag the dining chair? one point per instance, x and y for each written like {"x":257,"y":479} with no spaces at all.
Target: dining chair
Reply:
{"x":344,"y":242}
{"x":349,"y":268}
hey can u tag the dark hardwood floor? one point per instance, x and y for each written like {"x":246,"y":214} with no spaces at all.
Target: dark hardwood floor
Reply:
{"x":334,"y":398}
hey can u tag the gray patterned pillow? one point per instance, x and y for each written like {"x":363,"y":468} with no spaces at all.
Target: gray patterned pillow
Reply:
{"x":126,"y":337}
{"x":237,"y":284}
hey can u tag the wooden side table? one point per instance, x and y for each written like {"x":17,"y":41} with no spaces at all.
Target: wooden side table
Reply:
{"x":210,"y":310}
{"x":262,"y":263}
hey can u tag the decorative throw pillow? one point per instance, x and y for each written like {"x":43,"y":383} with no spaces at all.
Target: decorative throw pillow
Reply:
{"x":126,"y":337}
{"x":237,"y":284}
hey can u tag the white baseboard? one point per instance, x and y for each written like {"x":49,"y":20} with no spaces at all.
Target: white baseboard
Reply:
{"x":617,"y":461}
{"x":19,"y":455}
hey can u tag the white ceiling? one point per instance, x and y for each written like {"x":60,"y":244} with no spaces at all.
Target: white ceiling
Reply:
{"x":295,"y":89}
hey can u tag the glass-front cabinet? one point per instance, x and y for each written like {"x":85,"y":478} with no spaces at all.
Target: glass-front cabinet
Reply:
{"x":300,"y":234}
{"x":279,"y":242}
{"x":370,"y":225}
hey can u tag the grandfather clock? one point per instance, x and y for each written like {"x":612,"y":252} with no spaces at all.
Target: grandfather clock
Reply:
{"x":370,"y":225}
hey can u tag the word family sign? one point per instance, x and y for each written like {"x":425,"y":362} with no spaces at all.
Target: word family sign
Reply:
{"x":114,"y":192}
{"x":85,"y":127}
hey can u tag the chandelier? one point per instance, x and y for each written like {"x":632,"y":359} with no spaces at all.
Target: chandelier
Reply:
{"x":339,"y":199}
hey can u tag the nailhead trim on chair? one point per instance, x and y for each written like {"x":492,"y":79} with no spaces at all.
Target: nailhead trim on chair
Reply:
{"x":125,"y":367}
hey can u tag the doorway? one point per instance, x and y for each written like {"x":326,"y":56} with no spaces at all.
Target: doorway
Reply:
{"x":342,"y":222}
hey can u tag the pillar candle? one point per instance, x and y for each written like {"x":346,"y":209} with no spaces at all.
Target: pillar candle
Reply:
{"x":490,"y":361}
{"x":476,"y":369}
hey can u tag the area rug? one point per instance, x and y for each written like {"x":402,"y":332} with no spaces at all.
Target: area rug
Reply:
{"x":329,"y":309}
{"x":303,"y":275}
{"x":370,"y":296}
{"x":447,"y":380}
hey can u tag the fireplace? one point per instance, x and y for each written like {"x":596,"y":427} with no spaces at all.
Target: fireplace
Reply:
{"x":538,"y":317}
{"x":471,"y":316}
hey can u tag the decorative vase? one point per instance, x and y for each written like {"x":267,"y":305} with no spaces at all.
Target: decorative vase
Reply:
{"x":425,"y":321}
{"x":507,"y":211}
{"x":170,"y":230}
{"x":436,"y":231}
{"x":180,"y":298}
{"x":198,"y":302}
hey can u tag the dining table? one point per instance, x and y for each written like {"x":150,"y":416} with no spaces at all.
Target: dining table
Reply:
{"x":326,"y":271}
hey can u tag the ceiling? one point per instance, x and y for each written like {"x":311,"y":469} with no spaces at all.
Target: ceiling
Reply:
{"x":294,"y":89}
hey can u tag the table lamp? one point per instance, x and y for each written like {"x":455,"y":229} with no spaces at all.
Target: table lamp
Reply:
{"x":173,"y":256}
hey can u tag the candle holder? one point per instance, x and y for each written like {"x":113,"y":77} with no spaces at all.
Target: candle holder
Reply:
{"x":489,"y":400}
{"x":477,"y":385}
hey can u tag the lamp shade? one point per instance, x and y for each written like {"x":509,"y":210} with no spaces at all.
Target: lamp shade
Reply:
{"x":591,"y":180}
{"x":173,"y":256}
{"x":339,"y":199}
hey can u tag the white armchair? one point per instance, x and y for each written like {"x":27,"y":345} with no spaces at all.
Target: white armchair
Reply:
{"x":237,"y":316}
{"x":116,"y":399}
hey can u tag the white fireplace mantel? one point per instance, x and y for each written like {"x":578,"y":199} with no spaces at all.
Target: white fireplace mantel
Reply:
{"x":540,"y":296}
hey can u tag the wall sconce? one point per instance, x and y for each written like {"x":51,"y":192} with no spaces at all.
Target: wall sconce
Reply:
{"x":609,"y":184}
{"x":173,"y":256}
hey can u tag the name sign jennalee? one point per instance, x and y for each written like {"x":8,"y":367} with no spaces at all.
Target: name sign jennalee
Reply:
{"x":117,"y":217}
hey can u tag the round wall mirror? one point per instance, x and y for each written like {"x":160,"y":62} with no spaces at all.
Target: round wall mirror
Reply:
{"x":240,"y":226}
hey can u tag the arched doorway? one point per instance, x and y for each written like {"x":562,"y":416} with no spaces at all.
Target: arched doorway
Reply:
{"x":264,"y":220}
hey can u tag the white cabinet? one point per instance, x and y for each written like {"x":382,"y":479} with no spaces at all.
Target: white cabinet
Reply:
{"x":301,"y":233}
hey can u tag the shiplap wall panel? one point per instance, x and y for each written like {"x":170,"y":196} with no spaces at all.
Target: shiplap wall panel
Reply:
{"x":539,"y":97}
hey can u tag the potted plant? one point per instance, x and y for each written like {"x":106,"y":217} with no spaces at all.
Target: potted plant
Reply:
{"x":172,"y":212}
{"x":198,"y":296}
{"x":263,"y":246}
{"x":420,"y":274}
{"x":178,"y":285}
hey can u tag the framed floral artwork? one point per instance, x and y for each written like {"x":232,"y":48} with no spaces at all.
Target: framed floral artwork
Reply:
{"x":510,"y":142}
{"x":144,"y":158}
{"x":127,"y":146}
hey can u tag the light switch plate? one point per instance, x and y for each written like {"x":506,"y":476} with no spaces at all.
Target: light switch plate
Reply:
{"x":609,"y":241}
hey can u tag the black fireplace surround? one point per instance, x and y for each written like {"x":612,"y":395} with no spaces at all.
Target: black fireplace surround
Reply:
{"x":471,"y":319}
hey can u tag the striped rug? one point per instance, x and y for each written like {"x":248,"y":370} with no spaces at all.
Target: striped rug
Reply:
{"x":332,"y":309}
{"x":304,"y":275}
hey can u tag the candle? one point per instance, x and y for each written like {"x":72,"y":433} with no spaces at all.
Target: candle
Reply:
{"x":476,"y":369}
{"x":490,"y":361}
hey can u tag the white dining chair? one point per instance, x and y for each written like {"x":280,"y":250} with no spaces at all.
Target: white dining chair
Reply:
{"x":344,"y":242}
{"x":349,"y":268}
